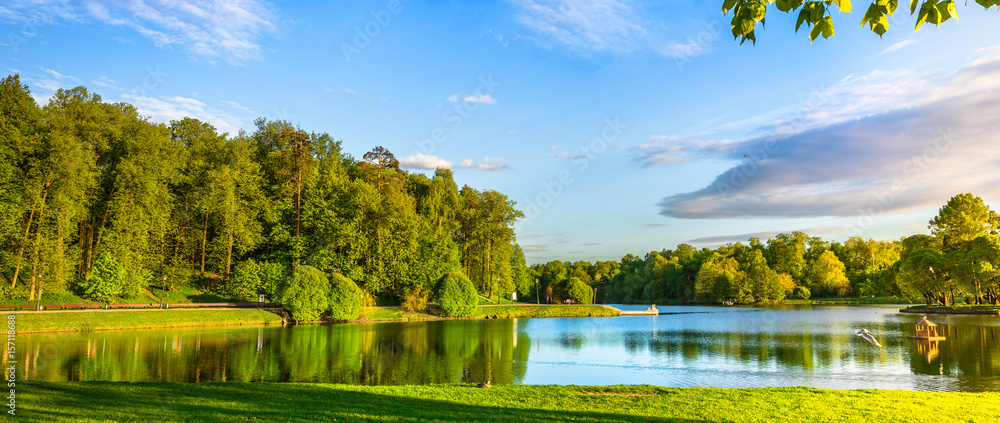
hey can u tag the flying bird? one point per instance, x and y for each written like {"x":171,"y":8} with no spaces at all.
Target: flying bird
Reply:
{"x":864,"y":333}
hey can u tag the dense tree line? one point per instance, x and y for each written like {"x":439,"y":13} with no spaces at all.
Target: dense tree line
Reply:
{"x":98,"y":200}
{"x":961,"y":258}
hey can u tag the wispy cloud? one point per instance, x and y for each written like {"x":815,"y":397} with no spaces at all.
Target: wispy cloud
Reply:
{"x":423,"y":161}
{"x":764,"y":236}
{"x":899,"y":45}
{"x":214,"y":29}
{"x":493,"y":164}
{"x":597,"y":25}
{"x":165,"y":109}
{"x":474,"y":98}
{"x":903,"y":151}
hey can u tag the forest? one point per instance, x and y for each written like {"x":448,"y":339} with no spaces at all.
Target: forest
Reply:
{"x":960,"y":259}
{"x":99,"y":201}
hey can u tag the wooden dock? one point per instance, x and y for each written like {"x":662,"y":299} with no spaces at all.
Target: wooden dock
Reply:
{"x":652,"y":311}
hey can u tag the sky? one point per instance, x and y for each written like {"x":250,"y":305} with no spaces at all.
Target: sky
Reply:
{"x":617,"y":126}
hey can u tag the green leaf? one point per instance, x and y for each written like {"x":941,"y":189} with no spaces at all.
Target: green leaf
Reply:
{"x":727,"y":5}
{"x":891,"y":6}
{"x":913,"y":8}
{"x":814,"y":33}
{"x":827,"y":27}
{"x":921,"y":18}
{"x":844,"y":5}
{"x":788,"y":5}
{"x":818,"y":10}
{"x":869,"y":14}
{"x":803,"y":14}
{"x":749,"y":36}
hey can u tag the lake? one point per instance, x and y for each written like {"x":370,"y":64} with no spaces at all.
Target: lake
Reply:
{"x":691,"y":346}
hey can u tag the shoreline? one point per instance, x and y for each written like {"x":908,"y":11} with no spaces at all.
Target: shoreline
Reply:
{"x":225,"y":401}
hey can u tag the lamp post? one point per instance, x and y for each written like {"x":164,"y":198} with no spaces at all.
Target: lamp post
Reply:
{"x":537,"y":300}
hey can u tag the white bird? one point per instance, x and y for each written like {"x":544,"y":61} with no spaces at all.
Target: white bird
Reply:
{"x":864,"y":333}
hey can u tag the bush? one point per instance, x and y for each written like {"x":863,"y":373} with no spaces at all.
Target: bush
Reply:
{"x":575,"y":290}
{"x":306,"y":293}
{"x":106,"y":279}
{"x":345,"y":298}
{"x":456,"y":294}
{"x":271,"y":276}
{"x":802,"y":292}
{"x":416,"y":299}
{"x":245,"y":281}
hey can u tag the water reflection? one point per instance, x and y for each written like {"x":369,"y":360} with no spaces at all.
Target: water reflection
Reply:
{"x":696,"y":346}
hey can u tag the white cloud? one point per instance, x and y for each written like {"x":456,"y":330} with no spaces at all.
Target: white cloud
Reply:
{"x":492,"y":164}
{"x":214,"y":29}
{"x":57,"y":75}
{"x":165,"y":109}
{"x":899,"y":45}
{"x":474,"y":98}
{"x":766,"y":235}
{"x":480,"y":99}
{"x":423,"y":161}
{"x":596,"y":25}
{"x":902,"y":144}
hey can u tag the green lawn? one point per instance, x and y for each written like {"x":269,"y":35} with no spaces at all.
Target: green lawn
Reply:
{"x":956,"y":307}
{"x":105,"y":320}
{"x":849,"y":300}
{"x":234,"y":401}
{"x":526,"y":311}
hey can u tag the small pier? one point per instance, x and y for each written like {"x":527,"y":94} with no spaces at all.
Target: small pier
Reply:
{"x":651,"y":311}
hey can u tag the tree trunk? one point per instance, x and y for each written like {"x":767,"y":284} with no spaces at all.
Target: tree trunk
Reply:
{"x":24,"y":240}
{"x":204,"y":240}
{"x":229,"y":255}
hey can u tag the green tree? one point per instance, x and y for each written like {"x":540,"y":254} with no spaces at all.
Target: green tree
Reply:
{"x":306,"y":293}
{"x":827,"y":275}
{"x":456,"y":294}
{"x":106,"y":279}
{"x":964,"y":218}
{"x":346,"y":298}
{"x":575,"y":290}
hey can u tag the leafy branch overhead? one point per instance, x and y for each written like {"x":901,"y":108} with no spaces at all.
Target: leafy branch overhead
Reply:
{"x":818,"y":17}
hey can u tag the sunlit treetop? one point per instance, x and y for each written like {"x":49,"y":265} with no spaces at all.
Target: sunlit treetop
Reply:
{"x":818,"y":15}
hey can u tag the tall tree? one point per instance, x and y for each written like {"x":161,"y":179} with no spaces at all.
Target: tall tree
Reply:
{"x":964,"y":218}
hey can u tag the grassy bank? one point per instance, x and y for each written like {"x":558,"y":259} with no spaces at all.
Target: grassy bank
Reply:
{"x":862,"y":300}
{"x":71,"y":321}
{"x":954,"y":307}
{"x":525,"y":311}
{"x":232,"y":401}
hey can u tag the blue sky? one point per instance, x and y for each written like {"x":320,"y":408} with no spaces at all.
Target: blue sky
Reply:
{"x":618,"y":126}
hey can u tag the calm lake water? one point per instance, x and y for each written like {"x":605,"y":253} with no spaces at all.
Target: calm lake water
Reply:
{"x":692,"y":346}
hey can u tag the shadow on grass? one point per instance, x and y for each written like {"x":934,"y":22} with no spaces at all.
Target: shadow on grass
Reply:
{"x":102,"y":401}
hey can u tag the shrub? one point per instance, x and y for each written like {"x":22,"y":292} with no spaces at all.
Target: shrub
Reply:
{"x":305,"y":293}
{"x":271,"y":276}
{"x":456,"y":294}
{"x":575,"y":290}
{"x":802,"y":292}
{"x":106,"y":279}
{"x":345,"y":298}
{"x":245,"y":281}
{"x":416,"y":299}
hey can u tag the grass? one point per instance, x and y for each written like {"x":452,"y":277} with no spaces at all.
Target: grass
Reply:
{"x":485,"y":301}
{"x":956,"y":307}
{"x":235,"y":401}
{"x":849,"y":300}
{"x":109,"y":320}
{"x":526,"y":311}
